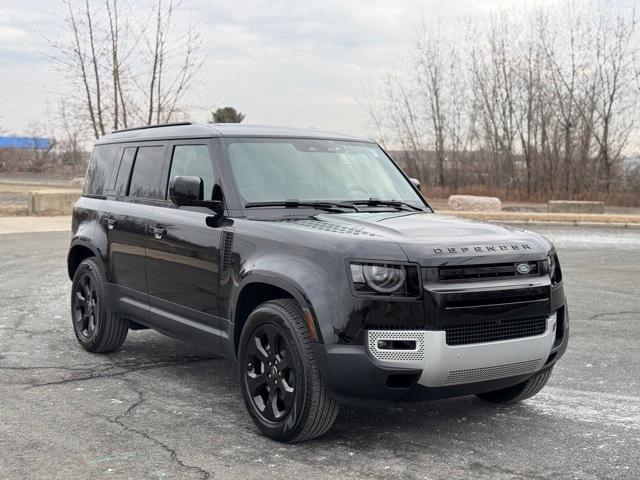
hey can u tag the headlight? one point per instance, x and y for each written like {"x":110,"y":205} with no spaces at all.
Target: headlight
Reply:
{"x":552,"y":266}
{"x":382,"y":278}
{"x":554,"y":269}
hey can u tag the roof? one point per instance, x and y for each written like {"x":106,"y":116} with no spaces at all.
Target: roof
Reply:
{"x":27,"y":143}
{"x":203,"y":130}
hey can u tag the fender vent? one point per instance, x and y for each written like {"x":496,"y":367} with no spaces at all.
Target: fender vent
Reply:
{"x":226,"y":242}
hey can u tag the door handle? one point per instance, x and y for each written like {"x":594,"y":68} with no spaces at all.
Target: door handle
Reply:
{"x":158,"y":231}
{"x":111,"y":223}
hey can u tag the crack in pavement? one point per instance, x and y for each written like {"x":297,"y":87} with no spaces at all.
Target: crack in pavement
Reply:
{"x":41,"y":296}
{"x":118,"y":419}
{"x":28,"y":333}
{"x":609,"y":314}
{"x":94,"y":372}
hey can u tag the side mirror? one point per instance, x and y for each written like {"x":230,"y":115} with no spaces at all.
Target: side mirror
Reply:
{"x":415,"y":182}
{"x":189,"y":191}
{"x":186,"y":190}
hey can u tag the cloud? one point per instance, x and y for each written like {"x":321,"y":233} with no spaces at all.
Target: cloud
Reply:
{"x":9,"y":33}
{"x":284,"y":62}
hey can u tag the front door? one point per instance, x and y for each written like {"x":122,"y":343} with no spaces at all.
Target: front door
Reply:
{"x":183,"y":255}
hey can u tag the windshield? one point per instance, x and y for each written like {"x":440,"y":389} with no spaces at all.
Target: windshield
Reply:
{"x":276,"y":170}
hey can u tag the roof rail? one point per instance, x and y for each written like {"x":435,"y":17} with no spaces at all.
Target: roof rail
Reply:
{"x":177,"y":124}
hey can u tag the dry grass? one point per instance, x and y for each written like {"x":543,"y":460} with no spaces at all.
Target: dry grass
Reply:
{"x":13,"y":210}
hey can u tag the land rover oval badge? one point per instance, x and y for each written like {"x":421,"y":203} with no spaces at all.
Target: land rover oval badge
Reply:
{"x":523,"y":268}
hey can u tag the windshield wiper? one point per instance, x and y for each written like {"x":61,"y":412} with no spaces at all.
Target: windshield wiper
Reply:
{"x":328,"y":206}
{"x":376,"y":202}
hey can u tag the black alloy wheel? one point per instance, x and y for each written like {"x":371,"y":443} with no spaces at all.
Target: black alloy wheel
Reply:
{"x":270,"y":376}
{"x":97,"y":328}
{"x":280,"y":374}
{"x":86,"y":307}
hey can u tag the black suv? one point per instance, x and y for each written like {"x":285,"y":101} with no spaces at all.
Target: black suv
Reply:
{"x":313,"y":260}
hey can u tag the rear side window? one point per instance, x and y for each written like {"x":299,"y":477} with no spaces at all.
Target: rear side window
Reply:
{"x":100,"y":171}
{"x":124,"y":173}
{"x":194,"y":161}
{"x":147,"y":173}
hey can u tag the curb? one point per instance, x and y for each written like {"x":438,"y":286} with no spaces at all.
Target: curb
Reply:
{"x":569,"y":224}
{"x":35,"y":224}
{"x":580,"y":220}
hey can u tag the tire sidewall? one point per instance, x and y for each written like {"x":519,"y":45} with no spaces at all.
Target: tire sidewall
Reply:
{"x":290,"y":425}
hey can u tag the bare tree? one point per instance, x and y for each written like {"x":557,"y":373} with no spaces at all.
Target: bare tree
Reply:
{"x":537,"y":103}
{"x":432,"y":79}
{"x":136,"y":71}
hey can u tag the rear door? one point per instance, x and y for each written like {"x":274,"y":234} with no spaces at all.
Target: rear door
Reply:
{"x":183,"y":254}
{"x":125,"y":214}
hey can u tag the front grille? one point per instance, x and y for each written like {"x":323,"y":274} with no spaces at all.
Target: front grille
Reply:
{"x":497,"y":270}
{"x":495,"y":330}
{"x":495,"y":371}
{"x":478,"y":299}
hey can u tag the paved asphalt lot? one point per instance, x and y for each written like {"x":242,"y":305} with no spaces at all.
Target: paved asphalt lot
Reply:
{"x":161,"y":409}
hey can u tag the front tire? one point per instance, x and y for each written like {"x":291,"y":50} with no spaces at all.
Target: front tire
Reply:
{"x":97,"y":328}
{"x":279,"y":375}
{"x":519,"y":392}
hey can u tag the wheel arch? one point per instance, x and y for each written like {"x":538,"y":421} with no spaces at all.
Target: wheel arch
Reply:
{"x":79,"y":251}
{"x":260,"y":288}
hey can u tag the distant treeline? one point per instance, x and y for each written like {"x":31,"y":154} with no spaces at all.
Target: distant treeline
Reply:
{"x":540,"y":103}
{"x":58,"y":158}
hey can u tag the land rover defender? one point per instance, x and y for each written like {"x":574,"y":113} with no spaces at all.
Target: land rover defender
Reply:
{"x":312,"y":260}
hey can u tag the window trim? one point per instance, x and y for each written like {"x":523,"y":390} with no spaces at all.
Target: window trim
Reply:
{"x":123,"y":149}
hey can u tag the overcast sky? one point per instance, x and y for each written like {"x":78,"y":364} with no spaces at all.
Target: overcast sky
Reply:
{"x":296,"y":63}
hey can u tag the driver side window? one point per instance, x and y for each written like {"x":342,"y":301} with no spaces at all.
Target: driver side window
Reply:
{"x":193,"y":161}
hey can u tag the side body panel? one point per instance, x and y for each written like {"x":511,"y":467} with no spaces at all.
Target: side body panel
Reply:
{"x":125,"y":227}
{"x":182,"y":272}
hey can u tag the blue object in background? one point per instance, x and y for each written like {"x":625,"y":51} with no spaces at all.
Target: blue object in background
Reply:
{"x":25,"y":143}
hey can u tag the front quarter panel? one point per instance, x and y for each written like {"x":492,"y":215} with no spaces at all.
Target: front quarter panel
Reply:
{"x":313,"y":265}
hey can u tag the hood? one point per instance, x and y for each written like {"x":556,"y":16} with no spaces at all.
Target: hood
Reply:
{"x":433,"y":239}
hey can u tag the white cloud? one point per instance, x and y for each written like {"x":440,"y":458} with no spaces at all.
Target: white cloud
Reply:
{"x":9,"y":33}
{"x":287,"y":62}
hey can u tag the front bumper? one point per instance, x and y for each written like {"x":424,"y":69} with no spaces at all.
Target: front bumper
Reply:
{"x":442,"y":364}
{"x":434,"y":369}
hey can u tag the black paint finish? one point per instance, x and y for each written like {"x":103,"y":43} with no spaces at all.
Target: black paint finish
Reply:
{"x":195,"y":275}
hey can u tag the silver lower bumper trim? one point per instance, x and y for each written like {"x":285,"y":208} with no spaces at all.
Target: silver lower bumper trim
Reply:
{"x":443,"y":364}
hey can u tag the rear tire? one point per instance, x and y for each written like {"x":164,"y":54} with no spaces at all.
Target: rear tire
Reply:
{"x":519,"y":392}
{"x":279,"y":375}
{"x":97,"y":328}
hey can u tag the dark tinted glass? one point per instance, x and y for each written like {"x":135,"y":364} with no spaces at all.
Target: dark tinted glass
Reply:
{"x":101,"y":166}
{"x":122,"y":182}
{"x":147,"y":170}
{"x":193,"y":160}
